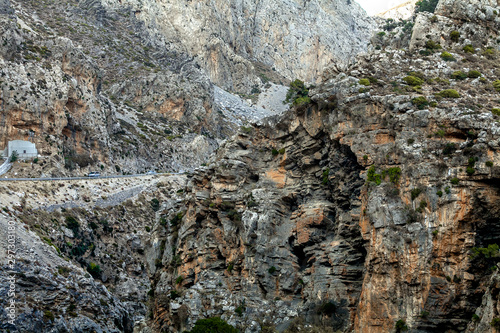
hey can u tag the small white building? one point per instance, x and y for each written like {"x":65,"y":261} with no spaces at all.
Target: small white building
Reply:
{"x":25,"y":149}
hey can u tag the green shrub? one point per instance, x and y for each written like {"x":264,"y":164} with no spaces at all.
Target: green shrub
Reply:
{"x":455,"y":36}
{"x":72,"y":223}
{"x":247,"y":130}
{"x":325,"y":179}
{"x":474,"y":74}
{"x":475,"y":317}
{"x":458,"y":75}
{"x":469,"y":49}
{"x":155,"y":204}
{"x":212,"y":325}
{"x":470,"y":170}
{"x":447,"y":190}
{"x":272,"y":270}
{"x":176,"y":219}
{"x":426,"y":6}
{"x":372,"y":176}
{"x":440,"y":133}
{"x":401,"y":326}
{"x":413,"y":81}
{"x":274,"y":152}
{"x":302,"y":101}
{"x":365,"y":82}
{"x":432,"y":45}
{"x":281,"y":151}
{"x":489,"y":53}
{"x":13,"y":156}
{"x":439,"y":193}
{"x":455,"y":181}
{"x":327,"y":308}
{"x":239,"y":310}
{"x":297,"y":93}
{"x":420,"y":102}
{"x":489,"y":164}
{"x":446,"y":56}
{"x":35,"y":160}
{"x":496,"y":112}
{"x":449,"y":149}
{"x":174,"y":294}
{"x":492,"y":251}
{"x":48,"y":315}
{"x":448,"y":93}
{"x":179,"y":279}
{"x":394,"y":174}
{"x":234,"y":215}
{"x":415,"y":193}
{"x":496,"y":85}
{"x":94,"y":270}
{"x":227,"y":206}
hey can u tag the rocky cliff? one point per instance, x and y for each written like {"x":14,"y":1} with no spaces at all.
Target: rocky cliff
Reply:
{"x":97,"y":84}
{"x":372,"y":209}
{"x":370,"y":206}
{"x":298,"y":39}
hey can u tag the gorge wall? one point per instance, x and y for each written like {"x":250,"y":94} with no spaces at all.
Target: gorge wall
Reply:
{"x":371,"y":207}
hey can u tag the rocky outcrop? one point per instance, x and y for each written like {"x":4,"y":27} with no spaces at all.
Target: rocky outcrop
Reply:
{"x":365,"y":208}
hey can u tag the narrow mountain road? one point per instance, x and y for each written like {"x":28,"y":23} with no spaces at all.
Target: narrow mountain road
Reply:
{"x":86,"y":178}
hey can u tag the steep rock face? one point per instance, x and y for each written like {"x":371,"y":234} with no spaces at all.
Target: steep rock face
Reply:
{"x":293,"y":37}
{"x":354,"y":212}
{"x":80,"y":245}
{"x":90,"y":93}
{"x":477,"y":22}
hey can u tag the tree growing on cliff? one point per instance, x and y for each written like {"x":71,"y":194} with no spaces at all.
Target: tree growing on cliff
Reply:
{"x":298,"y":93}
{"x":426,"y":6}
{"x":213,"y":325}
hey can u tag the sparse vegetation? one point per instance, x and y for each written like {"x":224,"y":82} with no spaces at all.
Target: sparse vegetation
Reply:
{"x":155,"y":204}
{"x":426,"y":6}
{"x":212,"y":325}
{"x":496,"y":85}
{"x":473,"y":74}
{"x":448,"y":93}
{"x":446,"y":56}
{"x":458,"y":75}
{"x":413,"y":81}
{"x":13,"y":156}
{"x":469,"y":49}
{"x":420,"y":102}
{"x":298,"y":93}
{"x":364,"y":82}
{"x":48,"y":316}
{"x":325,"y":178}
{"x":455,"y":36}
{"x":415,"y":193}
{"x":372,"y":176}
{"x":401,"y":326}
{"x":94,"y":270}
